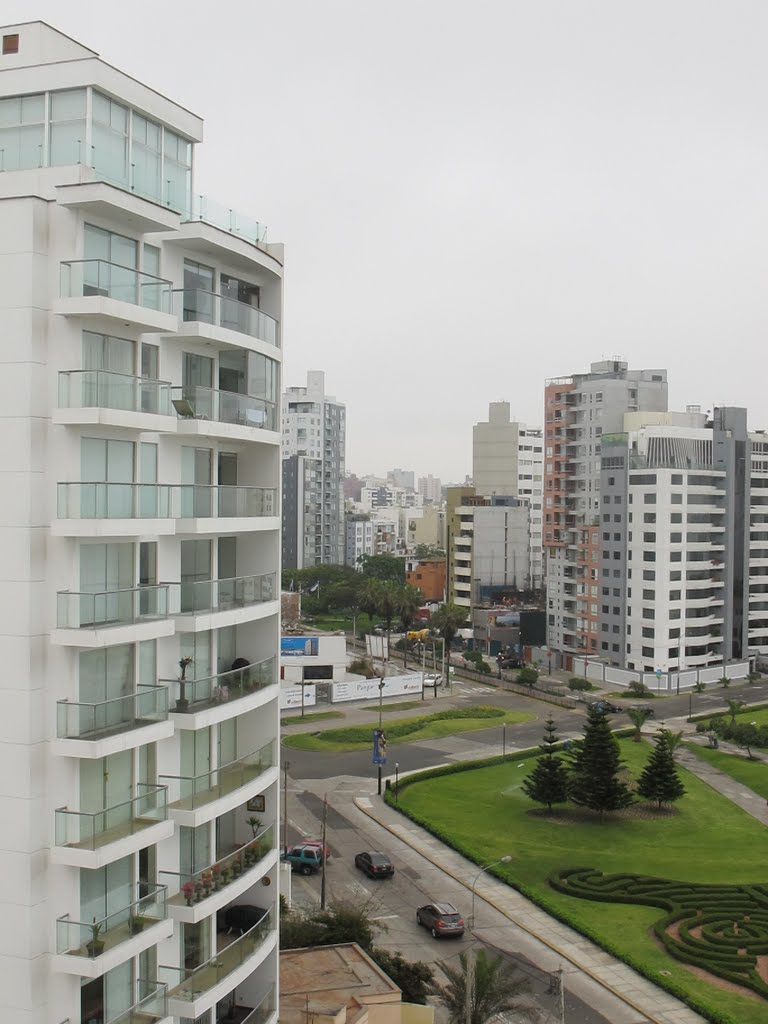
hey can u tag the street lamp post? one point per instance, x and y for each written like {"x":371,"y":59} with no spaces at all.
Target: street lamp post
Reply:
{"x":397,"y":780}
{"x":504,"y":741}
{"x":690,"y":704}
{"x":381,"y":698}
{"x":286,"y":766}
{"x":501,"y":860}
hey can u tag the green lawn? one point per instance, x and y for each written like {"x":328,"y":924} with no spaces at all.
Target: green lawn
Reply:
{"x":339,"y":620}
{"x":485,"y":814}
{"x":315,"y":716}
{"x":759,"y":717}
{"x":753,"y":774}
{"x":410,"y":730}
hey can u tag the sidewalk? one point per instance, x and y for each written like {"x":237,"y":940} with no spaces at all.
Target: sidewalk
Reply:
{"x":650,"y":1003}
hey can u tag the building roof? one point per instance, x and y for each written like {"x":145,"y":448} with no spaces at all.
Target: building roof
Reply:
{"x":326,"y":980}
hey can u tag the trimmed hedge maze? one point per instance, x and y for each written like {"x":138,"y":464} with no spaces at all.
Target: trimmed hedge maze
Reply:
{"x":722,"y":929}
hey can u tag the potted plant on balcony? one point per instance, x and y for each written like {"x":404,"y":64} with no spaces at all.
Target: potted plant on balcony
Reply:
{"x":216,"y":874}
{"x":181,"y":701}
{"x":226,"y":875}
{"x":207,"y":880}
{"x":237,"y":869}
{"x":136,"y":923}
{"x":188,"y":892}
{"x":96,"y":946}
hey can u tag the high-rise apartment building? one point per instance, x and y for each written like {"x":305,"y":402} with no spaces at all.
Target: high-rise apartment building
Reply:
{"x":489,"y":547}
{"x":507,"y":459}
{"x":579,"y":410}
{"x":141,"y":548}
{"x":684,"y":532}
{"x":431,"y":489}
{"x":314,"y":432}
{"x":359,"y":538}
{"x":402,"y":478}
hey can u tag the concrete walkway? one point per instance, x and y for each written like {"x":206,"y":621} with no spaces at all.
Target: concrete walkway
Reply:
{"x":649,"y":1003}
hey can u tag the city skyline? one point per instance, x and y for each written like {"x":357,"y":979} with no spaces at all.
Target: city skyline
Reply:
{"x":500,"y":198}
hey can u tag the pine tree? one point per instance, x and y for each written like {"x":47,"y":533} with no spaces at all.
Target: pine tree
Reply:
{"x":594,"y":780}
{"x":548,"y":782}
{"x":659,"y":780}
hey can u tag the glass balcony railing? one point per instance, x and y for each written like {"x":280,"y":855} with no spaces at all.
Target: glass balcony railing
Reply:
{"x":224,"y":595}
{"x":91,"y":939}
{"x":198,"y":304}
{"x":150,"y":1008}
{"x":197,"y":694}
{"x":188,"y":792}
{"x":90,"y":830}
{"x":263,"y":1010}
{"x":187,"y":889}
{"x":193,"y":402}
{"x":101,"y":500}
{"x":99,"y":610}
{"x":195,"y":982}
{"x":110,"y":280}
{"x":80,"y":721}
{"x":102,"y":389}
{"x":209,"y":211}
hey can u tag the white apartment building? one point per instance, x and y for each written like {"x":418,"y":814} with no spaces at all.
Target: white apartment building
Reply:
{"x":508,"y":459}
{"x":141,"y":553}
{"x":489,"y":554}
{"x":314,"y":443}
{"x":579,"y":411}
{"x":359,"y":533}
{"x":684,"y":534}
{"x":431,"y":489}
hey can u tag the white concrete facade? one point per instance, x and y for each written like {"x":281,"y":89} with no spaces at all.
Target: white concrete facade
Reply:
{"x":140,"y":528}
{"x":314,"y":428}
{"x":491,"y":549}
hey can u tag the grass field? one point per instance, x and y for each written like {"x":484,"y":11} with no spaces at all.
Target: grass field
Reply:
{"x":707,"y":839}
{"x":410,"y":730}
{"x":310,"y":716}
{"x":753,"y":774}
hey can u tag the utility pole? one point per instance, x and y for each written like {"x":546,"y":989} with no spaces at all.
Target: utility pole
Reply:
{"x":561,"y":987}
{"x":322,"y":879}
{"x":286,"y":766}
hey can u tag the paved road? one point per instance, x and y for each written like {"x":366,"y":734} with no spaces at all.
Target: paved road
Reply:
{"x":392,"y":905}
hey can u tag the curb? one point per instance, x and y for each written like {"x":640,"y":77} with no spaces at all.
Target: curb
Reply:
{"x":555,"y":949}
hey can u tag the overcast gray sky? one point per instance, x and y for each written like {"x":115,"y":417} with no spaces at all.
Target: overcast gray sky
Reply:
{"x":477,"y":196}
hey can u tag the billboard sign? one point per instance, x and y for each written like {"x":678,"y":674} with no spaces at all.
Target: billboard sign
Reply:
{"x":299,"y":646}
{"x":379,"y":747}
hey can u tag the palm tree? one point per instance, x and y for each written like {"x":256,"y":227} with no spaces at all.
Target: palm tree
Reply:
{"x":674,"y":740}
{"x":638,"y":717}
{"x":447,"y":621}
{"x":369,"y":597}
{"x":409,"y":604}
{"x":734,"y":706}
{"x":389,"y":603}
{"x":481,"y":989}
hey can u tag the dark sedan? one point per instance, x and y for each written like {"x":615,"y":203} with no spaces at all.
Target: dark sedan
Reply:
{"x":375,"y":864}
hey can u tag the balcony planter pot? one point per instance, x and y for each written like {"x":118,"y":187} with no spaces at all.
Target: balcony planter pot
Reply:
{"x":96,"y":946}
{"x":136,"y":924}
{"x":181,"y":701}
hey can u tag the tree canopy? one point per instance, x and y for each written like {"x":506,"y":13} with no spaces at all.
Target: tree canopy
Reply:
{"x":594,"y":777}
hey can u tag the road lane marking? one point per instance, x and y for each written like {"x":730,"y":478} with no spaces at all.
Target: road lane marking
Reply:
{"x":385,"y":917}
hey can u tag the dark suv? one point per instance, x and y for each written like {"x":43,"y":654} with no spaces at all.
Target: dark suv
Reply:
{"x":441,"y":919}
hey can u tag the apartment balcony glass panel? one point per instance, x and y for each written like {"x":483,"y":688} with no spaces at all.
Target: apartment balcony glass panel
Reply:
{"x":187,"y":889}
{"x":201,"y":403}
{"x":203,"y":306}
{"x":196,"y":982}
{"x":260,"y":1013}
{"x":79,"y":721}
{"x":198,"y":694}
{"x":188,"y":792}
{"x":103,"y":389}
{"x":224,"y":595}
{"x":92,"y":938}
{"x":207,"y":210}
{"x":78,"y":610}
{"x":108,"y":500}
{"x":90,"y":830}
{"x":82,"y":278}
{"x":150,"y":1009}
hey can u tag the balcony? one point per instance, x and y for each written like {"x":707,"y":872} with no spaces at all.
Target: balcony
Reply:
{"x":110,"y":297}
{"x":211,"y":604}
{"x":259,"y":1014}
{"x":101,"y":509}
{"x":97,"y":730}
{"x":199,"y":988}
{"x":115,"y":400}
{"x":150,"y":1009}
{"x":205,"y":702}
{"x":223,"y":414}
{"x":119,"y":202}
{"x":103,"y":618}
{"x":90,"y":949}
{"x":227,"y":322}
{"x":197,"y":896}
{"x":91,"y":839}
{"x":195,"y":799}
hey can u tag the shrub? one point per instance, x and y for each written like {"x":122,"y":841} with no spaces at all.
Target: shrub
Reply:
{"x":527,"y":676}
{"x":725,"y":682}
{"x":577,"y":683}
{"x":638,"y":689}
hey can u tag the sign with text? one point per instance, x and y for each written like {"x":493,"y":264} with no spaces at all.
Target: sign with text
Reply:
{"x":379,"y":746}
